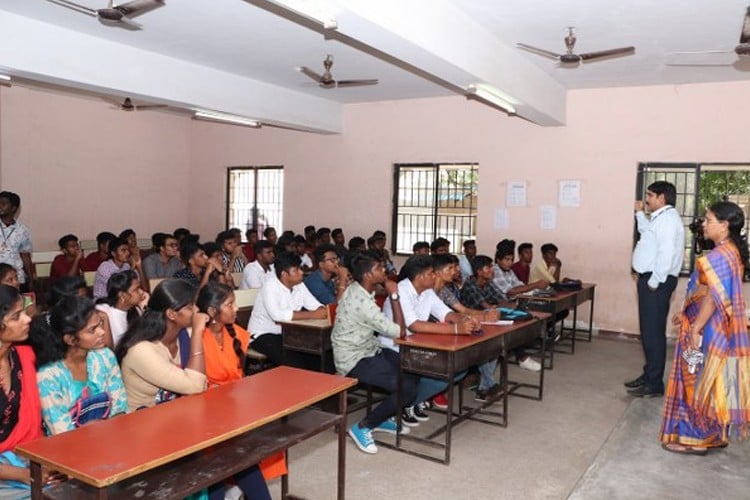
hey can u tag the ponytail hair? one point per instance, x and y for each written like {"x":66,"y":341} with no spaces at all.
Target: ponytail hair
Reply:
{"x":733,"y":215}
{"x":213,"y":295}
{"x":9,"y":297}
{"x":67,"y":317}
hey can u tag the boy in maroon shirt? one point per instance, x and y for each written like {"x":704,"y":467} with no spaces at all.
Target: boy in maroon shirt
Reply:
{"x":522,"y":268}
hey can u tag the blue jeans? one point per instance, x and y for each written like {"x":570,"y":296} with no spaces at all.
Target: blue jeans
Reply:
{"x":429,"y":387}
{"x":487,"y":374}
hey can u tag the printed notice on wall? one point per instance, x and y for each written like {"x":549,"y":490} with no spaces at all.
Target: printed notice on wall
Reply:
{"x":501,"y":218}
{"x":516,"y":194}
{"x":548,"y":216}
{"x":569,"y":194}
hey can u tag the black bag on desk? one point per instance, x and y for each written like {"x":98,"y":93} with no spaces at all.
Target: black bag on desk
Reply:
{"x":568,"y":286}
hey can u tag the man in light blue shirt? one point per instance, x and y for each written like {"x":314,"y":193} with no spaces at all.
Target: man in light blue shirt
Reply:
{"x":657,"y":259}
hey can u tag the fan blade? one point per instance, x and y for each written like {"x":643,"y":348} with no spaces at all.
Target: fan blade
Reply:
{"x":309,"y":73}
{"x":600,"y":54}
{"x":74,"y":6}
{"x":356,"y":83}
{"x":138,"y":7}
{"x":127,"y":23}
{"x":745,"y":35}
{"x":538,"y":51}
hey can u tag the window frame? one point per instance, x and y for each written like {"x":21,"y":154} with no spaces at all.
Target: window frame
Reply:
{"x":255,"y":170}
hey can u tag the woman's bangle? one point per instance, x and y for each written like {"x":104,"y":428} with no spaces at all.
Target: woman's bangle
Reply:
{"x":455,"y":328}
{"x":198,"y":353}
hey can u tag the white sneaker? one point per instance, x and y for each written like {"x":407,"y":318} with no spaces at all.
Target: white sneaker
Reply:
{"x":530,"y":364}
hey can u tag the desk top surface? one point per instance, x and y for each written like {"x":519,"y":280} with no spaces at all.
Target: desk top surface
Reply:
{"x":103,"y":453}
{"x":316,"y":324}
{"x":585,"y":287}
{"x":458,"y":342}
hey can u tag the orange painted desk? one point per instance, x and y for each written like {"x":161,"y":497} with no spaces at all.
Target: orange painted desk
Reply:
{"x":180,"y":447}
{"x":443,"y":356}
{"x":311,"y":336}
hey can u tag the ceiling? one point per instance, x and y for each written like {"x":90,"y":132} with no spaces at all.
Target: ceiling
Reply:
{"x":239,"y":56}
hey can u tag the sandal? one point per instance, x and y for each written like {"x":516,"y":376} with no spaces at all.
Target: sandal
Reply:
{"x":684,"y":450}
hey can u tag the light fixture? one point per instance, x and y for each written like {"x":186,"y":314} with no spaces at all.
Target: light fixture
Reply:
{"x":222,"y":118}
{"x":4,"y":80}
{"x":492,"y":96}
{"x":308,"y":9}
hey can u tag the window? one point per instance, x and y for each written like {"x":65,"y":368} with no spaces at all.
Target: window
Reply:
{"x":698,"y":186}
{"x":432,"y":200}
{"x":255,"y":197}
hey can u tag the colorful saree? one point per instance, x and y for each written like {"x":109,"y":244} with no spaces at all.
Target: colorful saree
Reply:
{"x":702,"y":408}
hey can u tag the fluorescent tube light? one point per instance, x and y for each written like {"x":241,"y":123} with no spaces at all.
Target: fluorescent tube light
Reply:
{"x":492,"y":96}
{"x":222,"y":118}
{"x":308,"y":9}
{"x":4,"y":80}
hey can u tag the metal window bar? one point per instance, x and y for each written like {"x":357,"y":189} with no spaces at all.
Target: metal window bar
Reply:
{"x":255,"y":197}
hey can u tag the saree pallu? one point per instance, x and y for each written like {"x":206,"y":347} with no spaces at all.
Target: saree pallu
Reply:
{"x":701,"y":408}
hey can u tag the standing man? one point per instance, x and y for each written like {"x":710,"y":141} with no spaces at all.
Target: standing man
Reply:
{"x":15,"y":245}
{"x":657,"y":259}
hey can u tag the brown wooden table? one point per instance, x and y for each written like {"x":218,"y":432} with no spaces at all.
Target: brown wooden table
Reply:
{"x":311,"y":336}
{"x":443,"y":356}
{"x":178,"y":448}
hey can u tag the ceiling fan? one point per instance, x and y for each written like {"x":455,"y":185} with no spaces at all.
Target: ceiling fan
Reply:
{"x":326,"y":80}
{"x":114,"y":15}
{"x":129,"y":105}
{"x":716,"y":57}
{"x":571,"y":59}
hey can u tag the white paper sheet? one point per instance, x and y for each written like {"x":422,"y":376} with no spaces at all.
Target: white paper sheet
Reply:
{"x":516,"y":194}
{"x":569,"y":194}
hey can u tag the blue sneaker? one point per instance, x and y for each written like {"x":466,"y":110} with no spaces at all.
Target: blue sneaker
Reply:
{"x":362,"y":437}
{"x":389,"y":426}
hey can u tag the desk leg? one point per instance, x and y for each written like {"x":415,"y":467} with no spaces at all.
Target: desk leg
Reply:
{"x":285,"y":477}
{"x":543,"y":331}
{"x":504,"y":379}
{"x":575,"y":326}
{"x":449,"y":413}
{"x":399,"y":403}
{"x":591,"y":316}
{"x":36,"y":481}
{"x":341,"y":485}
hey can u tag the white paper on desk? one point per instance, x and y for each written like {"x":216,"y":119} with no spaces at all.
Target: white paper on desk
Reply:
{"x":500,"y":322}
{"x":502,"y":221}
{"x":548,"y":216}
{"x":516,"y":196}
{"x":569,"y":194}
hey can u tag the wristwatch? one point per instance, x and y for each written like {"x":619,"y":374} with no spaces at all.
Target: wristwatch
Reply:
{"x":394,"y":296}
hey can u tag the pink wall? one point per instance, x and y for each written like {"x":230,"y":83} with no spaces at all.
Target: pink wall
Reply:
{"x":82,"y":167}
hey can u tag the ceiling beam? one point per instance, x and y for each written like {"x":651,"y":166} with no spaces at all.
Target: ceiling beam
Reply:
{"x":58,"y":56}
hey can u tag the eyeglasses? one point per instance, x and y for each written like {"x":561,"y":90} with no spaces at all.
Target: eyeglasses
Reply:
{"x":332,"y":259}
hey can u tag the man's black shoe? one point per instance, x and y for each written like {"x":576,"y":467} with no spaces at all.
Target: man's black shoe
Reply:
{"x":636,"y":382}
{"x":645,"y":391}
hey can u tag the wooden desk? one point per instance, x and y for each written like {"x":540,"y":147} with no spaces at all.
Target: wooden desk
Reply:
{"x":163,"y":452}
{"x":443,"y":356}
{"x":311,"y":336}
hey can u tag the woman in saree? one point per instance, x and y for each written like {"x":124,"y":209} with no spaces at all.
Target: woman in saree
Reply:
{"x":707,"y":398}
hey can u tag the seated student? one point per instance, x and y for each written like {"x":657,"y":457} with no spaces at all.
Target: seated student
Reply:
{"x":357,"y":244}
{"x":464,"y":261}
{"x":357,"y":352}
{"x":323,"y":235}
{"x":251,"y":235}
{"x":420,"y":248}
{"x":165,"y":260}
{"x":549,"y":268}
{"x":75,"y":286}
{"x":95,"y":259}
{"x":418,"y":303}
{"x":339,"y":240}
{"x":377,"y":242}
{"x":328,"y":282}
{"x":69,"y":263}
{"x":132,"y":239}
{"x":19,"y":397}
{"x":310,"y":233}
{"x":155,"y":366}
{"x":300,"y":248}
{"x":75,"y":366}
{"x":199,"y":268}
{"x":180,"y":233}
{"x":283,"y":298}
{"x":16,"y":244}
{"x":504,"y":277}
{"x":269,"y":234}
{"x":231,"y":253}
{"x":440,"y":246}
{"x":522,"y":267}
{"x":9,"y":275}
{"x":159,"y":360}
{"x":124,"y":302}
{"x":257,"y":272}
{"x":121,"y":259}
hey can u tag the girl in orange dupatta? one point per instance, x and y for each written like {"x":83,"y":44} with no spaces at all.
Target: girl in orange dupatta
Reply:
{"x":704,"y":401}
{"x":224,"y":348}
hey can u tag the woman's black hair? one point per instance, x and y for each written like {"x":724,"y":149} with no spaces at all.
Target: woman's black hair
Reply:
{"x":213,"y":295}
{"x":152,"y":325}
{"x":732,"y":213}
{"x":67,"y":317}
{"x":67,"y":286}
{"x":9,"y":297}
{"x":5,"y":269}
{"x":120,"y":283}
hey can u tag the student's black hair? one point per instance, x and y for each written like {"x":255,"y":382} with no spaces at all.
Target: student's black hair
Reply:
{"x":249,"y":231}
{"x":479,"y":262}
{"x":126,"y":233}
{"x":188,"y":248}
{"x":152,"y":325}
{"x":732,"y":213}
{"x":299,"y":239}
{"x":419,"y":246}
{"x":120,"y":283}
{"x":323,"y":231}
{"x":469,"y":242}
{"x":261,"y":245}
{"x":503,"y":250}
{"x":9,"y":297}
{"x":213,"y":295}
{"x":665,"y":188}
{"x":235,"y":231}
{"x":321,"y":250}
{"x":65,"y":240}
{"x":181,"y":232}
{"x":285,"y":261}
{"x":6,"y":269}
{"x":506,"y":243}
{"x":309,"y":229}
{"x":414,"y":266}
{"x":115,"y":244}
{"x":105,"y":237}
{"x":337,"y":231}
{"x":67,"y":286}
{"x":362,"y":263}
{"x":439,"y":243}
{"x":379,"y":234}
{"x":356,"y":242}
{"x":284,"y":240}
{"x":12,"y":198}
{"x":525,"y":246}
{"x":549,"y":247}
{"x":46,"y":333}
{"x":211,"y":248}
{"x":442,"y":260}
{"x":371,"y":241}
{"x":224,"y":236}
{"x":268,"y":231}
{"x":158,"y":240}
